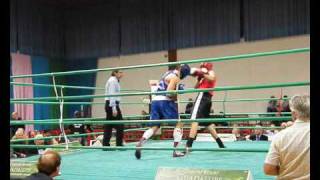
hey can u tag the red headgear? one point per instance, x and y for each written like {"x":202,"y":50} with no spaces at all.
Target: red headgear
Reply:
{"x":207,"y":65}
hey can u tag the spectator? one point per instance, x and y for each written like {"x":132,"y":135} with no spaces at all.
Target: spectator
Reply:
{"x":237,"y":133}
{"x":79,"y":129}
{"x":19,"y":152}
{"x":258,"y":135}
{"x":32,"y":134}
{"x":285,"y":105}
{"x":272,"y":105}
{"x":272,"y":108}
{"x":38,"y":142}
{"x":289,"y":153}
{"x":189,"y":106}
{"x":13,"y":129}
{"x":271,"y":132}
{"x":48,"y":166}
{"x":52,"y":141}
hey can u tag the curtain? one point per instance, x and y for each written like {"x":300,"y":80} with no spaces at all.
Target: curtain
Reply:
{"x":80,"y":80}
{"x":144,"y":26}
{"x":273,"y":18}
{"x":39,"y":28}
{"x":206,"y":22}
{"x":92,"y":32}
{"x":21,"y":64}
{"x":41,"y":111}
{"x":13,"y":26}
{"x":112,"y":28}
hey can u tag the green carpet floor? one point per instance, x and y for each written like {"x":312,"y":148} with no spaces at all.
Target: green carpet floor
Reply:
{"x":122,"y":165}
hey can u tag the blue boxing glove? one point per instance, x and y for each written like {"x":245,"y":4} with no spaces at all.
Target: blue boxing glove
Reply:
{"x":181,"y":87}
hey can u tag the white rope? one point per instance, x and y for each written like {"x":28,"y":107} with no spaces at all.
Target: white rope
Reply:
{"x":61,"y":120}
{"x":61,"y":111}
{"x":55,"y":87}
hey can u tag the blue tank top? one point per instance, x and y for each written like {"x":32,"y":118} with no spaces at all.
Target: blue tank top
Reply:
{"x":162,"y":86}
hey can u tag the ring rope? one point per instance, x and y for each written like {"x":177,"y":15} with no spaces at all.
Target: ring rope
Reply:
{"x":72,"y":135}
{"x":225,"y":58}
{"x":144,"y":116}
{"x":142,"y":129}
{"x":70,"y":87}
{"x":247,"y":87}
{"x":284,"y":118}
{"x":135,"y":103}
{"x":142,"y":148}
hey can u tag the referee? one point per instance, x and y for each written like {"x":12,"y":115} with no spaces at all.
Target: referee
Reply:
{"x":112,"y":109}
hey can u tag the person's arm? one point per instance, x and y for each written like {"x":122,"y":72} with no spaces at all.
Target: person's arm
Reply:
{"x":271,"y":163}
{"x":210,"y":75}
{"x":271,"y":170}
{"x":172,"y":86}
{"x":197,"y":83}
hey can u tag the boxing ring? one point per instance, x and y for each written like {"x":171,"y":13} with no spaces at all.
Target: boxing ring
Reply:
{"x":91,"y":162}
{"x":100,"y":165}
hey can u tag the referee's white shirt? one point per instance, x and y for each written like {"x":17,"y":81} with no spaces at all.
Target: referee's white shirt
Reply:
{"x":290,"y":149}
{"x":112,"y":87}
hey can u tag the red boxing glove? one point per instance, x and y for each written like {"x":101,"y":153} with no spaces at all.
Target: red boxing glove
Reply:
{"x":199,"y":73}
{"x":199,"y":78}
{"x":207,"y":65}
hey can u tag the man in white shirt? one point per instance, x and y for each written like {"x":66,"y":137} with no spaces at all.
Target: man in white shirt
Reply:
{"x":289,"y":153}
{"x":112,"y":109}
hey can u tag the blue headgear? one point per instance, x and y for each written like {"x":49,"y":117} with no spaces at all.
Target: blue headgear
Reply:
{"x":184,"y":71}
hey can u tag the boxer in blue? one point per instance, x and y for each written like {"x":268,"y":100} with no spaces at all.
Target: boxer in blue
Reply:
{"x":164,"y":106}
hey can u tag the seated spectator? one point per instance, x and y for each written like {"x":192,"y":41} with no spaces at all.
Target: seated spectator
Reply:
{"x":15,"y":116}
{"x":271,"y":132}
{"x":272,"y":109}
{"x":52,"y":141}
{"x":237,"y":133}
{"x":33,"y":151}
{"x":272,"y":104}
{"x":285,"y":106}
{"x":79,"y":129}
{"x":38,"y":142}
{"x":48,"y":166}
{"x":258,"y":135}
{"x":19,"y":152}
{"x":32,"y":134}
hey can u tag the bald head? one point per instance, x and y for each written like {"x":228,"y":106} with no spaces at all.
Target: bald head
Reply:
{"x":49,"y":163}
{"x":14,"y":115}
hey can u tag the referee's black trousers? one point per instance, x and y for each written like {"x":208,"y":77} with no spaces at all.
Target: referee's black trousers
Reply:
{"x":108,"y":127}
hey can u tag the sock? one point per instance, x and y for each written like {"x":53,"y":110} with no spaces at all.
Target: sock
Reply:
{"x":148,"y":133}
{"x":177,"y":136}
{"x":190,"y":142}
{"x":220,"y":143}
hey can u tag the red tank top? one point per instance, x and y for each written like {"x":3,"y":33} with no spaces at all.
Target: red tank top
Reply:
{"x":205,"y":83}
